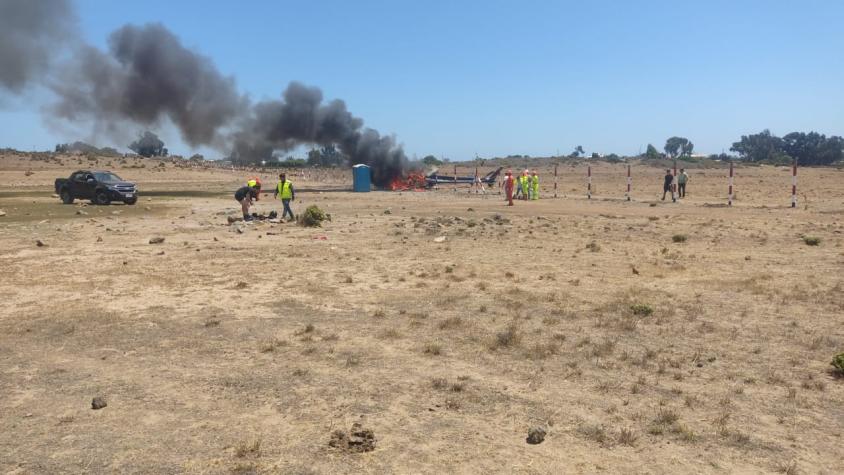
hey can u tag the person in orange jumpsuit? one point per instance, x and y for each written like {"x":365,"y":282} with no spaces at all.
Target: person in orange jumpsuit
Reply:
{"x":509,"y":185}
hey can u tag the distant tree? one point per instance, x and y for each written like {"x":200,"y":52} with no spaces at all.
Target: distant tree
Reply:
{"x":813,"y":148}
{"x":327,"y":156}
{"x":596,"y":155}
{"x":652,"y":153}
{"x":761,"y":147}
{"x":148,"y":145}
{"x":679,"y":147}
{"x":578,"y":152}
{"x":109,"y":152}
{"x":196,"y":157}
{"x":291,"y":162}
{"x":432,"y":161}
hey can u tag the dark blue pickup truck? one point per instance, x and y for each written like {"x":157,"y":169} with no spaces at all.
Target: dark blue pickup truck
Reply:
{"x":101,"y":187}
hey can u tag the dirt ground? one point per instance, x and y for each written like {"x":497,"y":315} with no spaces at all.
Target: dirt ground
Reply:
{"x":641,"y":337}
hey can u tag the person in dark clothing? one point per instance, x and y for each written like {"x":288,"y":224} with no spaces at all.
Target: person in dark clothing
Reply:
{"x":245,"y":195}
{"x":666,"y":186}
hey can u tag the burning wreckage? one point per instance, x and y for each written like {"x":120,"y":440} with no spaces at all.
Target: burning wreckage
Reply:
{"x":419,"y":181}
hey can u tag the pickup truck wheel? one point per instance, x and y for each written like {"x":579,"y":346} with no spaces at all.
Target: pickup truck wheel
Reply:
{"x":66,"y":197}
{"x":131,"y":201}
{"x":101,"y":198}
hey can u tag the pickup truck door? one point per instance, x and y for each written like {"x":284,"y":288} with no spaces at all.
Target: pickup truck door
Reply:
{"x":83,"y":185}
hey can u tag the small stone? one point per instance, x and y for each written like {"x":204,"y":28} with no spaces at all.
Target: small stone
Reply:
{"x":99,"y":239}
{"x":2,"y":213}
{"x":439,"y":239}
{"x":156,"y":240}
{"x":81,"y":213}
{"x":98,"y":403}
{"x":39,"y":243}
{"x":536,"y":435}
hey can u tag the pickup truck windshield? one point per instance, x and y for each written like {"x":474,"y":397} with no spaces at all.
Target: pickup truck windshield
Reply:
{"x":106,"y":177}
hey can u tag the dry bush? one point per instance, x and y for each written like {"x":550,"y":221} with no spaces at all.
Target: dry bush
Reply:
{"x":788,"y":468}
{"x":433,"y":348}
{"x":627,"y":437}
{"x":248,"y":448}
{"x":269,"y":345}
{"x":594,"y":432}
{"x":450,"y":323}
{"x":507,"y":338}
{"x":542,"y":350}
{"x":389,"y":334}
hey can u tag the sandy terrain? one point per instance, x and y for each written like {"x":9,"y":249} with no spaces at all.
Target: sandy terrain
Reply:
{"x":226,"y":352}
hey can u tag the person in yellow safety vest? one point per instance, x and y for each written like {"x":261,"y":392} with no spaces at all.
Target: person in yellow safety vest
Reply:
{"x":256,"y":184}
{"x":284,"y":191}
{"x":523,"y":183}
{"x":534,"y":184}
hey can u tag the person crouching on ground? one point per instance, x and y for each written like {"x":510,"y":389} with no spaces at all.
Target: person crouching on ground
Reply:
{"x":245,"y":195}
{"x":284,"y":191}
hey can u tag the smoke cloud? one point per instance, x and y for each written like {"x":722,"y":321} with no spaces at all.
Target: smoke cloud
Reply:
{"x":302,"y":117}
{"x":148,"y":77}
{"x":31,"y":33}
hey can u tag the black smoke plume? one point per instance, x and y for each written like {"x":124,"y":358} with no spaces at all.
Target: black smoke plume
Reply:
{"x":302,"y":117}
{"x":31,"y":33}
{"x":148,"y":78}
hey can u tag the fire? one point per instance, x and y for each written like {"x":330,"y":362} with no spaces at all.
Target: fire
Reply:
{"x":415,"y":181}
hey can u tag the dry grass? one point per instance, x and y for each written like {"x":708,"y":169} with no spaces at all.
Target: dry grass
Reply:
{"x":700,"y":361}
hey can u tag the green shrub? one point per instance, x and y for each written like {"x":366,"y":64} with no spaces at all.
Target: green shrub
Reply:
{"x":641,"y":309}
{"x":811,"y":240}
{"x":679,"y":238}
{"x":313,"y":217}
{"x":838,"y":363}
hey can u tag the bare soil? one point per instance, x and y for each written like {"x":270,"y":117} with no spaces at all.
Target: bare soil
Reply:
{"x":219,"y":351}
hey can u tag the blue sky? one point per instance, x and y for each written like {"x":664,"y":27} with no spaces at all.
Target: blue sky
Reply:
{"x":505,"y":77}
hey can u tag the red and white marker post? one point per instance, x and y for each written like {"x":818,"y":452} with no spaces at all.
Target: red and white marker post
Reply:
{"x":794,"y":184}
{"x":629,"y":182}
{"x":730,"y":188}
{"x":674,"y":184}
{"x":555,"y":181}
{"x":589,"y":182}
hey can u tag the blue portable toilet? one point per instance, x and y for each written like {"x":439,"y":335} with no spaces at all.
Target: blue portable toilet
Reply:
{"x":361,"y":178}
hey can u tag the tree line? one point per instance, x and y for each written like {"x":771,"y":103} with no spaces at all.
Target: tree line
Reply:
{"x":810,"y":148}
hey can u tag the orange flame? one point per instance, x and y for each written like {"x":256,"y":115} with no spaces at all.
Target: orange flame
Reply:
{"x":414,"y":181}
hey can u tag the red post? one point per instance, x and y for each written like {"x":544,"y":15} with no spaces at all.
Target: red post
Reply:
{"x":555,"y":181}
{"x":674,"y":184}
{"x":589,"y":182}
{"x":794,"y":183}
{"x":730,"y":190}
{"x":629,"y":182}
